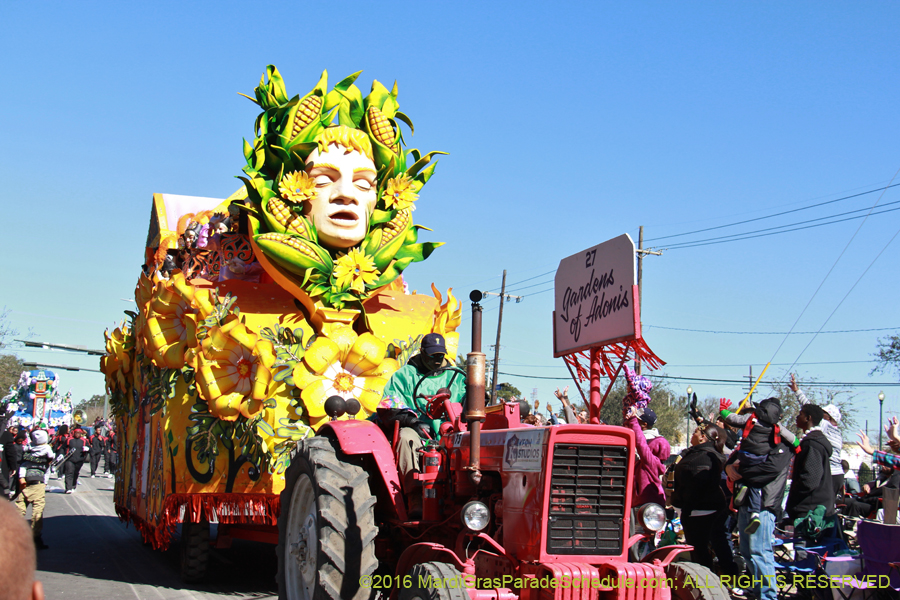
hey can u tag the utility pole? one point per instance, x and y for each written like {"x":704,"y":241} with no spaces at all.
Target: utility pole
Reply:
{"x":750,"y":384}
{"x":503,"y":299}
{"x":640,"y":277}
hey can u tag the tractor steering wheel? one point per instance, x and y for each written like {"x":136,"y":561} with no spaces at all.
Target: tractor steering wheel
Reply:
{"x":432,"y":373}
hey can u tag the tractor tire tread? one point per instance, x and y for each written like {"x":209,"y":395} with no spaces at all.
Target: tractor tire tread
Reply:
{"x":335,"y":483}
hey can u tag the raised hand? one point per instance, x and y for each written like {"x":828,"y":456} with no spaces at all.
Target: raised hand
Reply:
{"x":864,"y":442}
{"x":793,"y":384}
{"x":893,"y":429}
{"x":724,"y":403}
{"x":563,"y":396}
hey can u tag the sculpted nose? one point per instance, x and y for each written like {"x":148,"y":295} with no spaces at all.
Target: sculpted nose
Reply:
{"x":344,"y":192}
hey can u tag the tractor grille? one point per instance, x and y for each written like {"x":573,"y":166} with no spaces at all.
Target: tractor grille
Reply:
{"x":587,"y":499}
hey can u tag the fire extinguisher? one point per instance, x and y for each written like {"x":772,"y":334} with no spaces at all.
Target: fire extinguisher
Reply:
{"x":431,"y":467}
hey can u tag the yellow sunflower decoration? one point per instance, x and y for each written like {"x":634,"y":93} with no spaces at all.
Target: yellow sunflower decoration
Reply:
{"x":119,"y":358}
{"x":400,"y":193}
{"x":343,"y":364}
{"x":171,"y":327}
{"x":297,"y":187}
{"x":354,"y":271}
{"x":233,"y":373}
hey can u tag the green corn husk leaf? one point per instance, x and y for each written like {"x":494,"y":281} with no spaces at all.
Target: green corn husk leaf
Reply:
{"x":318,"y":289}
{"x":402,"y":117}
{"x":378,"y":96}
{"x":386,"y":254}
{"x":421,"y":162}
{"x":248,"y":152}
{"x":292,"y":259}
{"x":391,"y":273}
{"x":384,"y":156}
{"x":426,"y":173}
{"x":418,"y":252}
{"x":381,"y":216}
{"x":352,"y":111}
{"x":372,"y":240}
{"x":335,"y":97}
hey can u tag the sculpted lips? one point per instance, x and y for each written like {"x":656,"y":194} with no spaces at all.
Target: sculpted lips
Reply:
{"x":345,"y":217}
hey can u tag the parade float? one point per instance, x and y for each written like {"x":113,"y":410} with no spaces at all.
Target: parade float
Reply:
{"x":35,"y":401}
{"x":253,"y":310}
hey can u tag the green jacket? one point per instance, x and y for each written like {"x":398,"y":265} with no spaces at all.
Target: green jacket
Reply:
{"x":402,"y":384}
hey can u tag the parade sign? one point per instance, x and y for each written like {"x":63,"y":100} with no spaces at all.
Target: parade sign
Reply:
{"x":594,"y":293}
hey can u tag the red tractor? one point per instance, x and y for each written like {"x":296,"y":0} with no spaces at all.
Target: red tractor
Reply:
{"x":509,"y":511}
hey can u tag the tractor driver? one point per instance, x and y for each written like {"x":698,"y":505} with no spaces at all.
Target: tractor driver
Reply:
{"x":422,"y":370}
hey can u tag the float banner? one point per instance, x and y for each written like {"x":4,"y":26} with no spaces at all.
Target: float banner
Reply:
{"x":594,"y":297}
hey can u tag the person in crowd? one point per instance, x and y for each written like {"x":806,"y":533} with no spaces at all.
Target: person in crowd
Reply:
{"x":18,"y":557}
{"x":97,"y":443}
{"x":76,"y":461}
{"x":112,"y":454}
{"x":568,"y":411}
{"x":811,"y":478}
{"x":653,"y":450}
{"x":33,"y":474}
{"x":831,"y":427}
{"x":7,"y":479}
{"x":770,"y":477}
{"x":699,"y":493}
{"x":761,"y":434}
{"x":889,"y":477}
{"x":61,"y":440}
{"x":15,"y":459}
{"x":851,"y":483}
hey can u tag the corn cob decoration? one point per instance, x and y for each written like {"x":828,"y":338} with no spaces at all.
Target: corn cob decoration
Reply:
{"x":281,"y":219}
{"x":307,"y":111}
{"x":380,"y":127}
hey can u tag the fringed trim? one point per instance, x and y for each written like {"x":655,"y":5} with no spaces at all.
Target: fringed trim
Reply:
{"x":258,"y":509}
{"x":611,"y":356}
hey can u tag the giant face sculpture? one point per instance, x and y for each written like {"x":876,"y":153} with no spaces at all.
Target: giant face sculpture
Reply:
{"x":345,"y":195}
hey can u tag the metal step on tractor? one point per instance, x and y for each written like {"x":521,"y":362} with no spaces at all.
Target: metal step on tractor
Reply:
{"x":509,"y":511}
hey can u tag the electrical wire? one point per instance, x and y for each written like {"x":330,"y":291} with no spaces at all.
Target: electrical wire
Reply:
{"x":828,"y":274}
{"x":713,"y":241}
{"x":772,"y":215}
{"x":522,"y":281}
{"x":736,"y":381}
{"x":770,"y":332}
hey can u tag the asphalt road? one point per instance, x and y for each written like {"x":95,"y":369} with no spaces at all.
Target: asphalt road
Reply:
{"x":94,"y":555}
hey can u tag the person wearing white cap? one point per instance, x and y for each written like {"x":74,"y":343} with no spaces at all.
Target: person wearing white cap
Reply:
{"x":831,"y":427}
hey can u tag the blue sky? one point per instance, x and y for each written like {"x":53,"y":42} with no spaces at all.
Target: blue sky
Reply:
{"x":566,"y":124}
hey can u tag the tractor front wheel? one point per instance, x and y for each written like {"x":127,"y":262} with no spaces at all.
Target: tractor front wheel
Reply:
{"x":434,"y":581}
{"x":327,"y":526}
{"x":691,"y":581}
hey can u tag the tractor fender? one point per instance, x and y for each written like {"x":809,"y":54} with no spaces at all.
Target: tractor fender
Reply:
{"x":365,"y":437}
{"x":428,"y":552}
{"x":666,"y":554}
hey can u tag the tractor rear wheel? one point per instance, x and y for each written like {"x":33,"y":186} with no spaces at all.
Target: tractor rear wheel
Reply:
{"x":194,"y":551}
{"x":691,"y":581}
{"x":434,"y":581}
{"x":327,"y":526}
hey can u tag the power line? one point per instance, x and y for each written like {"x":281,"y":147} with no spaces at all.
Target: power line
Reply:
{"x":529,"y":279}
{"x":773,"y":215}
{"x":772,"y":332}
{"x":828,"y":274}
{"x":669,"y":365}
{"x":736,"y":381}
{"x":748,"y":236}
{"x":532,"y":285}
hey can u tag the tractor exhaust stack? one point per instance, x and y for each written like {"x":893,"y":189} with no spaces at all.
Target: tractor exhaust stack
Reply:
{"x":475,"y":365}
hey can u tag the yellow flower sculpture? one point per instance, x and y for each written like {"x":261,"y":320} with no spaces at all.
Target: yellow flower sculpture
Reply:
{"x":400,"y":193}
{"x":355,"y":270}
{"x":234,"y":370}
{"x":297,"y":187}
{"x":116,"y":364}
{"x":143,"y":294}
{"x":343,"y":364}
{"x":171,"y":329}
{"x":446,"y":319}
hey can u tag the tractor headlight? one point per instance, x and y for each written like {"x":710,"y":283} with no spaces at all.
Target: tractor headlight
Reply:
{"x":476,"y":516}
{"x":652,"y":516}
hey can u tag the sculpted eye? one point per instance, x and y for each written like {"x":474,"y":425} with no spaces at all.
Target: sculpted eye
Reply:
{"x":363,"y":184}
{"x":323,"y":180}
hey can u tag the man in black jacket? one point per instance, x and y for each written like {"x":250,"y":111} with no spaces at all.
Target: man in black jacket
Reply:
{"x":770,"y":476}
{"x":811,"y":483}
